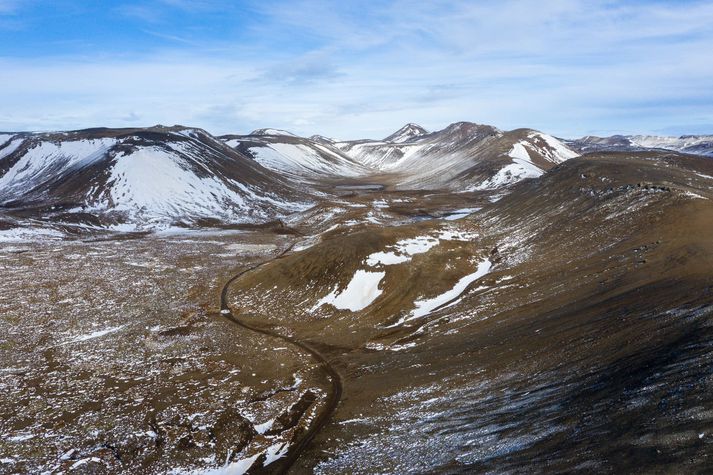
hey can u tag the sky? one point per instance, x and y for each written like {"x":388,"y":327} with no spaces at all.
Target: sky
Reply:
{"x":353,"y":69}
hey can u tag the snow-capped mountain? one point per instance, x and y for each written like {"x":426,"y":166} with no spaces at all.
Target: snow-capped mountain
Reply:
{"x":406,"y":133}
{"x":462,"y":156}
{"x":314,"y":158}
{"x":322,"y":139}
{"x":158,"y":176}
{"x":386,"y":155}
{"x":531,"y":155}
{"x":269,"y":131}
{"x":694,"y":144}
{"x":141,"y":177}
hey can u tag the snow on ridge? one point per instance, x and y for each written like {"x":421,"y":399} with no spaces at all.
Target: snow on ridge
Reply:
{"x":5,"y":137}
{"x":521,"y":168}
{"x":557,"y":151}
{"x":296,"y":158}
{"x":426,"y":306}
{"x":407,"y":132}
{"x":238,"y":467}
{"x":11,"y":147}
{"x":175,"y":190}
{"x":322,"y":138}
{"x":46,"y":159}
{"x":272,"y":132}
{"x":519,"y":152}
{"x":273,"y":453}
{"x":675,"y":143}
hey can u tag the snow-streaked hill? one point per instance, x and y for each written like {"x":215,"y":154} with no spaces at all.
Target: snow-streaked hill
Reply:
{"x":463,"y":156}
{"x":696,"y":144}
{"x":141,"y":177}
{"x":313,"y":158}
{"x":269,"y":131}
{"x":386,"y":156}
{"x":531,"y":157}
{"x":160,"y":176}
{"x":406,"y":133}
{"x":693,"y":144}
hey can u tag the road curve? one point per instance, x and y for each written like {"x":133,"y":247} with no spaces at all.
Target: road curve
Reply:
{"x":332,"y":375}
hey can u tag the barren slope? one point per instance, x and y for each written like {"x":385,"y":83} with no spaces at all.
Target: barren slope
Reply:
{"x":566,"y":324}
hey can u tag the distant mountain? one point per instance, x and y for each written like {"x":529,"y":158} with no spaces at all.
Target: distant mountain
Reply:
{"x":406,"y":133}
{"x":322,"y":139}
{"x":144,"y":178}
{"x":387,"y":155}
{"x":463,"y":156}
{"x":313,"y":158}
{"x":272,"y":132}
{"x":693,"y":144}
{"x":139,"y":178}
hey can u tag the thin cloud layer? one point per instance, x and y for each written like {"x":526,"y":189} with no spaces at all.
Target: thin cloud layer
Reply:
{"x":350,"y":69}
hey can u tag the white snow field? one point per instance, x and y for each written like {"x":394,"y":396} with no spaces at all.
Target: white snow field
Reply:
{"x":361,"y":291}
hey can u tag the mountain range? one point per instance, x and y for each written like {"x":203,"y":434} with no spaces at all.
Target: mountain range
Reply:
{"x":693,"y":144}
{"x":159,"y":177}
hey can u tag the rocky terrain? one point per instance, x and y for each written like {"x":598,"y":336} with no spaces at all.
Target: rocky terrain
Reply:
{"x":468,"y":300}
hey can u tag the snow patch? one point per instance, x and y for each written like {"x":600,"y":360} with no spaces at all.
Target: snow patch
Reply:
{"x":519,"y":152}
{"x":29,"y":234}
{"x":557,"y":152}
{"x":275,"y":452}
{"x":264,"y":427}
{"x":234,"y":468}
{"x":272,"y":132}
{"x":425,"y":307}
{"x":403,"y":250}
{"x":460,"y":214}
{"x":96,"y":334}
{"x":509,"y":175}
{"x":361,"y":291}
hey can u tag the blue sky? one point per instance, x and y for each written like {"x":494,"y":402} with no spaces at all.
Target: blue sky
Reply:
{"x":358,"y":69}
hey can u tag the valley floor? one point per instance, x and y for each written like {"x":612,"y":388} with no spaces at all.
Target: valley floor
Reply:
{"x":566,"y":327}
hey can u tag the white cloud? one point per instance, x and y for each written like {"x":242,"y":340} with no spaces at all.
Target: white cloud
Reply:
{"x":568,"y":67}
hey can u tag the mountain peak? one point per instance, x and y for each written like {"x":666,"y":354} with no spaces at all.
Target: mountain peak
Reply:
{"x":272,"y":132}
{"x":406,"y":133}
{"x":468,"y":131}
{"x":322,"y":139}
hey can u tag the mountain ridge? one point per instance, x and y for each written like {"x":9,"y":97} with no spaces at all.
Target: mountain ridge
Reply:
{"x":141,"y":177}
{"x":689,"y":143}
{"x":158,"y":176}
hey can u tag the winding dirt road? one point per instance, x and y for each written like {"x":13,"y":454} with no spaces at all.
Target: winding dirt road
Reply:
{"x":331,"y":373}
